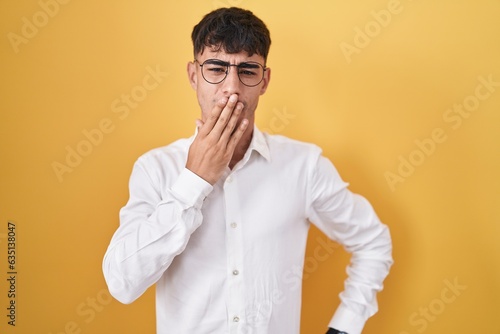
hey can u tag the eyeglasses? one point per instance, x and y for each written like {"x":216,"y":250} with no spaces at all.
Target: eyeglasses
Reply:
{"x":214,"y":71}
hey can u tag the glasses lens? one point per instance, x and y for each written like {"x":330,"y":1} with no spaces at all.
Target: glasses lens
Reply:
{"x":250,"y":74}
{"x":214,"y":71}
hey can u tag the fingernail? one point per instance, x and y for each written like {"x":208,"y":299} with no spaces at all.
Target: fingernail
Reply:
{"x":233,"y":98}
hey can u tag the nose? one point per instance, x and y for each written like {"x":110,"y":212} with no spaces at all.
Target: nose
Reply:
{"x":232,"y":84}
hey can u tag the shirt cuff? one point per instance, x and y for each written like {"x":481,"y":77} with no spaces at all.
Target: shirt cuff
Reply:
{"x":347,"y":321}
{"x":191,"y":189}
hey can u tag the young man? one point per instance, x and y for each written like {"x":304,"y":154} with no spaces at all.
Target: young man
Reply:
{"x":219,"y":221}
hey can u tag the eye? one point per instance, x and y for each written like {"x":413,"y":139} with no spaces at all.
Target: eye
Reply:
{"x":249,"y":69}
{"x":248,"y":72}
{"x":215,"y":69}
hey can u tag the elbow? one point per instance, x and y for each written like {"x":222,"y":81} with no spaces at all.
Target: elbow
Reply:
{"x":118,"y":286}
{"x":121,"y":294}
{"x":377,"y":248}
{"x":385,"y":249}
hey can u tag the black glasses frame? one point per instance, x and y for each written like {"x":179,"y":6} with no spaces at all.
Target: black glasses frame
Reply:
{"x":248,"y":64}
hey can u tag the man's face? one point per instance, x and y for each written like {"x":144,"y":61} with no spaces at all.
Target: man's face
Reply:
{"x":208,"y":93}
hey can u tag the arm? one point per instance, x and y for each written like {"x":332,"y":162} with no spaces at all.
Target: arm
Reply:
{"x":350,"y":220}
{"x":153,"y":230}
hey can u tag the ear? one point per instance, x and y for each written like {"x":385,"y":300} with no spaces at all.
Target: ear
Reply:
{"x":267,"y":78}
{"x":192,"y":76}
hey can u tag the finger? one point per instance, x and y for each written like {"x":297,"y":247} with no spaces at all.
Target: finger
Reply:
{"x":232,"y":123}
{"x":225,"y":115}
{"x":213,"y":117}
{"x":199,"y":123}
{"x":238,"y":133}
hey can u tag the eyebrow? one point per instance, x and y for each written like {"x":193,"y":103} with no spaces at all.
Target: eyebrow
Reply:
{"x":217,"y":62}
{"x":240,"y":65}
{"x":248,"y":65}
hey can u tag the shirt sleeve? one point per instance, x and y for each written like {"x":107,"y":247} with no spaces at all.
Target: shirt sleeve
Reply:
{"x":152,"y":231}
{"x":350,"y":220}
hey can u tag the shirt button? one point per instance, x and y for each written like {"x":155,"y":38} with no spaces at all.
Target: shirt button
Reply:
{"x":236,"y":272}
{"x":229,"y":179}
{"x":236,"y":319}
{"x":233,"y":225}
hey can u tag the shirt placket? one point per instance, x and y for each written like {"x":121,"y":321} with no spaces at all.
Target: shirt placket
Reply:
{"x":234,"y":243}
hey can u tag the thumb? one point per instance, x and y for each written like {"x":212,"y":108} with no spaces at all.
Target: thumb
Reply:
{"x":199,"y":123}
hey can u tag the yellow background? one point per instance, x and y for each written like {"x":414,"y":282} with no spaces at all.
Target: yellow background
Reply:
{"x":366,"y":110}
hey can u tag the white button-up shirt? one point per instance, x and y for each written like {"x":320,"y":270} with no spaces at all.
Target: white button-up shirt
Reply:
{"x":228,"y":258}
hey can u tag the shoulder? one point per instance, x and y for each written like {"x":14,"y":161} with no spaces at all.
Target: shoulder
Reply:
{"x":171,"y":156}
{"x":291,"y":148}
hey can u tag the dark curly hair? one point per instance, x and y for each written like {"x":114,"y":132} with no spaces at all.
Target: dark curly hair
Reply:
{"x":233,"y":30}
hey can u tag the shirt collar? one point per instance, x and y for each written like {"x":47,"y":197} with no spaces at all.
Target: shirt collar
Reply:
{"x":258,"y":143}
